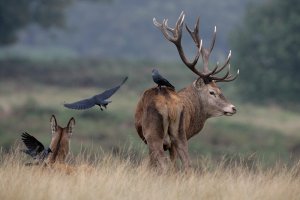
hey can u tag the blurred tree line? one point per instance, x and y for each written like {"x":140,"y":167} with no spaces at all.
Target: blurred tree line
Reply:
{"x":16,"y":14}
{"x":267,"y":49}
{"x":265,"y":46}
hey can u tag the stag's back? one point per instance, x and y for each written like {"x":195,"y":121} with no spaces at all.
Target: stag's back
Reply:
{"x":157,"y":106}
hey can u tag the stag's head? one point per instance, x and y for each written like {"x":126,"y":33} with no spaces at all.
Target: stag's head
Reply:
{"x":205,"y":86}
{"x":60,"y":139}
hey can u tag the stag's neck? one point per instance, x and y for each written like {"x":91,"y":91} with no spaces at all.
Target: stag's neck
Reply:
{"x":195,"y":113}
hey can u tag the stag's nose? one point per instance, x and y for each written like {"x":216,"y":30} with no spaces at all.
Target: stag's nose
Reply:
{"x":229,"y":110}
{"x":233,"y":109}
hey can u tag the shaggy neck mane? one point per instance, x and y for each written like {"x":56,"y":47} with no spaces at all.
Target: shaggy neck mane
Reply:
{"x":195,"y":115}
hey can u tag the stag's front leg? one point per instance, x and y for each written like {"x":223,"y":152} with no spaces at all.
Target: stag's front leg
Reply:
{"x":180,"y":146}
{"x":182,"y":149}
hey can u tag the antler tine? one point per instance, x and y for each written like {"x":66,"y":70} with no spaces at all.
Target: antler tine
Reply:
{"x":164,"y":29}
{"x":222,"y":78}
{"x":180,"y":21}
{"x":226,"y":77}
{"x":230,"y":78}
{"x":213,"y":40}
{"x":176,"y":39}
{"x":176,"y":32}
{"x":225,"y":64}
{"x":159,"y":25}
{"x":192,"y":65}
{"x":206,"y":53}
{"x":195,"y":34}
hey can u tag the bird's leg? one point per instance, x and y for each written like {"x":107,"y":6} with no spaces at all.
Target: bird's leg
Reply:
{"x":101,"y":108}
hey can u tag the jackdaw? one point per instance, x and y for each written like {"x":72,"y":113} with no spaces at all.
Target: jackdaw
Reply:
{"x":161,"y":81}
{"x":35,"y":148}
{"x":99,"y":99}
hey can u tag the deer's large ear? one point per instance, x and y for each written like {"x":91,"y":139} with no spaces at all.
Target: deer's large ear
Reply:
{"x":70,"y":126}
{"x":199,"y":83}
{"x":53,"y":124}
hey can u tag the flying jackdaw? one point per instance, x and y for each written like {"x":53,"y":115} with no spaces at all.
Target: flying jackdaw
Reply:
{"x":35,"y":148}
{"x":161,"y":81}
{"x":99,"y":99}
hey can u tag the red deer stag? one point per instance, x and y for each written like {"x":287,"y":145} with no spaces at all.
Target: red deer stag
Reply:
{"x":60,"y":140}
{"x":166,"y":119}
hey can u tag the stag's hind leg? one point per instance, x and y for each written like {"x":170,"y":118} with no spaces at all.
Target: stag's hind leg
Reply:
{"x":173,"y":155}
{"x":179,"y":142}
{"x":156,"y":153}
{"x":154,"y":133}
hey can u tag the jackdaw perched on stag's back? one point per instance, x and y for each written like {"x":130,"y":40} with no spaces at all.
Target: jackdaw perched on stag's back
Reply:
{"x":160,"y":80}
{"x":99,"y":99}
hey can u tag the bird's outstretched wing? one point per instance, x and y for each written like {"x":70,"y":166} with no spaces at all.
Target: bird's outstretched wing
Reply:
{"x":108,"y":93}
{"x":32,"y":143}
{"x":82,"y":104}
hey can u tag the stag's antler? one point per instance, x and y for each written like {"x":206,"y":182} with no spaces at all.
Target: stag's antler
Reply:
{"x":205,"y":53}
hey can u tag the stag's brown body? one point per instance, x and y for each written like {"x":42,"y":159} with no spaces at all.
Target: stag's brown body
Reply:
{"x":166,"y":119}
{"x":60,"y":141}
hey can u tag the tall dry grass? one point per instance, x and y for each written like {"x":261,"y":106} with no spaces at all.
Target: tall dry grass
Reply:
{"x":112,"y":177}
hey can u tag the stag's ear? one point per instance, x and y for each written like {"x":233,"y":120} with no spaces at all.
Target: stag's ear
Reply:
{"x":70,"y":126}
{"x":199,"y":83}
{"x":53,"y":124}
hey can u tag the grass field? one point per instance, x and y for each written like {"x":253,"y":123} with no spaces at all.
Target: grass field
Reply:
{"x":113,"y":177}
{"x":32,"y":92}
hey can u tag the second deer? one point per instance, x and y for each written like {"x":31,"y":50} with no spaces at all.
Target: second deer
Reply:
{"x":60,"y":141}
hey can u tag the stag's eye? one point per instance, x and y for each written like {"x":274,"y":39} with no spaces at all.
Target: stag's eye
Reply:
{"x":212,"y":93}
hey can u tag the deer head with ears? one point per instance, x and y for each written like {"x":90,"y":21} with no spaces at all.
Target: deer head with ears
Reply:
{"x":60,"y":141}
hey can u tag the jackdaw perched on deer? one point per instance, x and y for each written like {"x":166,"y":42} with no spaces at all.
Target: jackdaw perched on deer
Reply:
{"x":160,"y":80}
{"x":99,"y":99}
{"x":166,"y":119}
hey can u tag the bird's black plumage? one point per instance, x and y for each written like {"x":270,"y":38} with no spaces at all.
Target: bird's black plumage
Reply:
{"x":34,"y":147}
{"x":160,"y":80}
{"x":100,"y":99}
